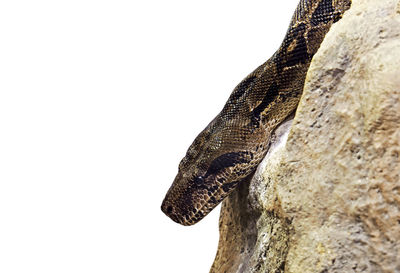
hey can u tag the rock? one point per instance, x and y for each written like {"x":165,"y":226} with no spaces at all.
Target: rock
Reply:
{"x":328,"y":198}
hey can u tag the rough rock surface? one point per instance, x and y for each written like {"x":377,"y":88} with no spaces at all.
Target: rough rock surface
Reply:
{"x":328,"y":198}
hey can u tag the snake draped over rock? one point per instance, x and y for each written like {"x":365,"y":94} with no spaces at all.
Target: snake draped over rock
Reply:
{"x":230,"y":148}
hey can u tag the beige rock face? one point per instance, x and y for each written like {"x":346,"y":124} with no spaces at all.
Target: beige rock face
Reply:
{"x":328,"y":199}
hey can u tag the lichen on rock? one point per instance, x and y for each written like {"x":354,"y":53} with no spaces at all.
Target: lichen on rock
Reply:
{"x":328,"y":198}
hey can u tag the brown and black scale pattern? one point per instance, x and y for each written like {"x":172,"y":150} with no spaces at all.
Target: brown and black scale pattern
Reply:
{"x":230,"y":148}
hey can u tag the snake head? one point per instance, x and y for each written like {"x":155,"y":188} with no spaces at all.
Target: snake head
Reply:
{"x":188,"y":200}
{"x":220,"y":157}
{"x":207,"y":174}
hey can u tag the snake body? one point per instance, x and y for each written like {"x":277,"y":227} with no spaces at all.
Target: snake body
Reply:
{"x":230,"y":148}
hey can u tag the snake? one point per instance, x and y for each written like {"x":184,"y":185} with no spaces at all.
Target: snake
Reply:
{"x":234,"y":143}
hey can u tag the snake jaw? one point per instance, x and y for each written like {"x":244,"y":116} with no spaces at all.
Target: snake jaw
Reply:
{"x":192,"y":197}
{"x":188,"y":219}
{"x":187,"y":201}
{"x":190,"y":215}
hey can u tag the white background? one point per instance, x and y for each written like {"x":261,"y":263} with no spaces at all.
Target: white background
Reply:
{"x":99,"y":101}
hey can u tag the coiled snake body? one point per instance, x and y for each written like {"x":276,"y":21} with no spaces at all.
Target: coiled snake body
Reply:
{"x":230,"y":148}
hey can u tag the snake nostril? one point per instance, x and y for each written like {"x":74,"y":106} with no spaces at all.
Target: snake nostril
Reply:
{"x":169,"y":209}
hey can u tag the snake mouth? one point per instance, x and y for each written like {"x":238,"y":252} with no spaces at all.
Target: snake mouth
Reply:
{"x":188,"y":215}
{"x":189,"y":208}
{"x":190,"y":218}
{"x":192,"y":204}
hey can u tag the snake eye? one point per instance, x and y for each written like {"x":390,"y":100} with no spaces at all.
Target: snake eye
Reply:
{"x":199,"y":180}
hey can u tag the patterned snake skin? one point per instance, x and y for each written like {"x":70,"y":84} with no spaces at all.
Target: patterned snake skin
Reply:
{"x":230,"y":148}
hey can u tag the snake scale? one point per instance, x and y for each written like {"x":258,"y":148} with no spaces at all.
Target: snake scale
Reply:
{"x":230,"y":148}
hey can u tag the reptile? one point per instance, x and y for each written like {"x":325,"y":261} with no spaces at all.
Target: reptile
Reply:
{"x":233,"y":144}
